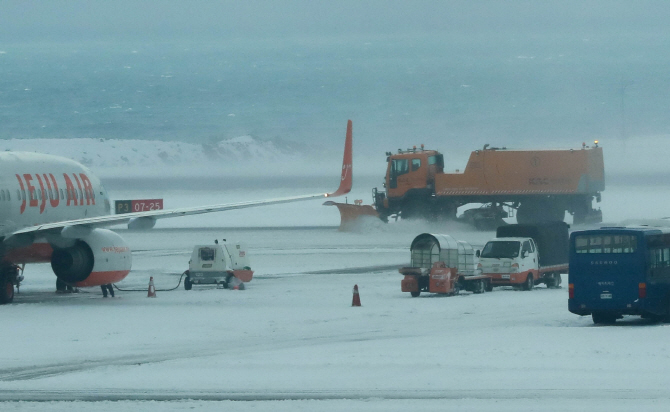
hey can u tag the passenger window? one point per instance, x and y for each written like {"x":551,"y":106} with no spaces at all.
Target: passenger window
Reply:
{"x":416,"y":164}
{"x":526,"y":247}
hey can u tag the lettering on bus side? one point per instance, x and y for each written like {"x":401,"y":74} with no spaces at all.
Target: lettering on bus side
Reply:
{"x":604,"y":262}
{"x":30,"y":195}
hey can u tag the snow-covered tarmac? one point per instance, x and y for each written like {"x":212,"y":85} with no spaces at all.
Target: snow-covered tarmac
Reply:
{"x":292,"y":341}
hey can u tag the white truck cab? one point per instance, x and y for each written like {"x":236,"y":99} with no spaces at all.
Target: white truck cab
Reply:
{"x":226,"y":265}
{"x":510,"y":261}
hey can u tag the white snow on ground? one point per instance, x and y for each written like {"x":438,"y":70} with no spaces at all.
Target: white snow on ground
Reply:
{"x":292,"y":341}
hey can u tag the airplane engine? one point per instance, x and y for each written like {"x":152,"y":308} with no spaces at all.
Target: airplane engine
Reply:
{"x":98,"y":258}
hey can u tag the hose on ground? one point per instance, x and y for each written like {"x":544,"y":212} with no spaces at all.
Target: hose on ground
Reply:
{"x":157,"y":290}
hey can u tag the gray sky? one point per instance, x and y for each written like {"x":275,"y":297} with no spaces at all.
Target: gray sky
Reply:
{"x":33,"y":19}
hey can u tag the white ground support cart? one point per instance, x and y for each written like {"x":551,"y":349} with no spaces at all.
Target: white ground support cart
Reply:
{"x":225,"y":265}
{"x":442,"y":264}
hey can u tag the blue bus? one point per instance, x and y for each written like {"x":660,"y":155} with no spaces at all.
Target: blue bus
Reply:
{"x":616,"y":271}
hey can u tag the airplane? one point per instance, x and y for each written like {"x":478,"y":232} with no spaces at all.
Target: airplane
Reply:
{"x":53,"y":209}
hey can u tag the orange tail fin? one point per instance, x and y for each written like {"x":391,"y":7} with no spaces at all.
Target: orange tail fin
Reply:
{"x":347,"y":169}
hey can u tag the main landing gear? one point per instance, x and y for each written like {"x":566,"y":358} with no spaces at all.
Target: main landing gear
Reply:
{"x":9,"y":276}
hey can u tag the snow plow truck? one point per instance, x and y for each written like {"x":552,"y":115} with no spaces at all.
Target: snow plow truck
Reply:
{"x":536,"y":185}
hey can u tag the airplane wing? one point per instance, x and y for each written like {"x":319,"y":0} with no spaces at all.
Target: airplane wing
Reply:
{"x":149,"y":217}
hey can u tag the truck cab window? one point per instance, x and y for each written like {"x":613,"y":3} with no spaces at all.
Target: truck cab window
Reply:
{"x":398,"y":167}
{"x":438,"y":161}
{"x":501,"y":249}
{"x":416,"y":164}
{"x":527,"y":248}
{"x":207,"y":253}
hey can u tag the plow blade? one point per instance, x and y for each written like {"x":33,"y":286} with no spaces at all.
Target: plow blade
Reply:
{"x":351,"y":213}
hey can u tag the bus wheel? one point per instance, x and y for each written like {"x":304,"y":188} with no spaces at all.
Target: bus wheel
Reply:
{"x":603,"y":318}
{"x":529,"y":283}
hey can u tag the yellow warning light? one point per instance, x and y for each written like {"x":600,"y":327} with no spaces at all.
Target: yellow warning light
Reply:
{"x":595,"y":142}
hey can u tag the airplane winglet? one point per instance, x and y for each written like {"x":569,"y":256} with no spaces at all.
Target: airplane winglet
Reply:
{"x":347,"y":170}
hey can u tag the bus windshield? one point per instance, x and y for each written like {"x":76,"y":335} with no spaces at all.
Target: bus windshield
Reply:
{"x":606,"y":244}
{"x":498,"y":249}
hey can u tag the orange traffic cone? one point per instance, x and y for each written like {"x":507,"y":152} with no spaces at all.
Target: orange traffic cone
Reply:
{"x":357,"y":299}
{"x":152,"y":289}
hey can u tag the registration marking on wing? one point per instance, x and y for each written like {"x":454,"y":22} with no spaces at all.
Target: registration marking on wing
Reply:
{"x":605,"y":296}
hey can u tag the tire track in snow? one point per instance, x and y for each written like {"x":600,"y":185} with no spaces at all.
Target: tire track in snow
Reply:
{"x":50,"y":370}
{"x":100,"y":395}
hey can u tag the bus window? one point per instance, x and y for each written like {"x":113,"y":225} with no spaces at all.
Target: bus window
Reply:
{"x":605,"y":244}
{"x":659,"y":262}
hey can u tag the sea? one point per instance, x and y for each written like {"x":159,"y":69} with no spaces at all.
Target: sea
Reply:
{"x":447,"y":91}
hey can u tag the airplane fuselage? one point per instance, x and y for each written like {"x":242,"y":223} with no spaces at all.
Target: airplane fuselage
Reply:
{"x":38,"y":188}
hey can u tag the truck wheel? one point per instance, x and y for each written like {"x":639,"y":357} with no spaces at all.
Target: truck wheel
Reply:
{"x":226,"y":284}
{"x":479,"y":287}
{"x":489,"y":285}
{"x":550,"y":280}
{"x":187,"y":283}
{"x":415,"y":294}
{"x":529,"y":283}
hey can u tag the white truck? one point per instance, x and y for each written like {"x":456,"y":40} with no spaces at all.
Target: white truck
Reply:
{"x":525,"y":255}
{"x":225,"y":265}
